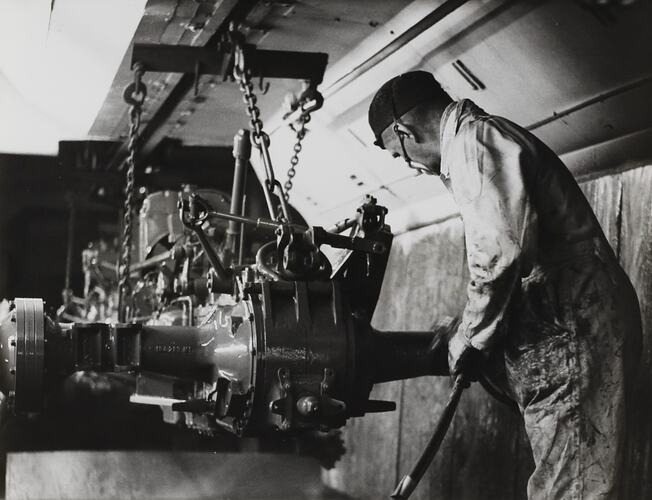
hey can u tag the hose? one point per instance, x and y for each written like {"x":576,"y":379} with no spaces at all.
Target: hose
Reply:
{"x":410,"y":481}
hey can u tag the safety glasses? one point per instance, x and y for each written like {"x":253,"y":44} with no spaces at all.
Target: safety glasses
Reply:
{"x":401,"y":135}
{"x":401,"y":139}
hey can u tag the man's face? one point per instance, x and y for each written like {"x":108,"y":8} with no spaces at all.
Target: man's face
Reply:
{"x":424,"y":155}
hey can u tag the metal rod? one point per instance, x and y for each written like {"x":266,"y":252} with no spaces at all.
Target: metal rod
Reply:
{"x":242,"y":232}
{"x":241,"y":153}
{"x":259,"y":223}
{"x":403,"y":39}
{"x":216,"y":264}
{"x":152,"y":261}
{"x":585,"y":104}
{"x":71,"y":240}
{"x":342,"y":226}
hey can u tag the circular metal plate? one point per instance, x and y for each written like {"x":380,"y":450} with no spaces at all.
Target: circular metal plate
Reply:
{"x":30,"y":345}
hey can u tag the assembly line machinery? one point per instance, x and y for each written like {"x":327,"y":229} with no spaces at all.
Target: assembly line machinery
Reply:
{"x":264,"y":337}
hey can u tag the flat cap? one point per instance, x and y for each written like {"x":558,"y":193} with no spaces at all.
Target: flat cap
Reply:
{"x":398,"y":96}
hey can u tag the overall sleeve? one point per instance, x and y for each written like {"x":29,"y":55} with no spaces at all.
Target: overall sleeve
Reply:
{"x":490,"y":189}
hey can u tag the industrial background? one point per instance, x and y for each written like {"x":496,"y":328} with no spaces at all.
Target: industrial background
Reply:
{"x":575,"y":73}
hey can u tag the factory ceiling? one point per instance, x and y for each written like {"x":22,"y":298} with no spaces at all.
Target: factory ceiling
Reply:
{"x":577,"y":75}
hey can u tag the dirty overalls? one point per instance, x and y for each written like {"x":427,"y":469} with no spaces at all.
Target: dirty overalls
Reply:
{"x":548,"y":302}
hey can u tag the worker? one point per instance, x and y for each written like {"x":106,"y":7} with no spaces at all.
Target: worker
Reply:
{"x":551,"y":319}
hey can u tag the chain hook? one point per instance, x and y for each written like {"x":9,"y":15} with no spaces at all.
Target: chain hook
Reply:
{"x":237,"y":47}
{"x":263,"y":86}
{"x":309,"y":100}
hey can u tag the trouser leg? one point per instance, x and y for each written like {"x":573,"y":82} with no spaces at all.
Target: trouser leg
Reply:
{"x":568,"y":372}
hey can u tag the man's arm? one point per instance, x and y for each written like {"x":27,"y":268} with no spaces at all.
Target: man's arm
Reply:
{"x":489,"y":186}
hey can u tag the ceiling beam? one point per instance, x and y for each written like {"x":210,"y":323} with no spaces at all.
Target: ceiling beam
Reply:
{"x":153,"y":132}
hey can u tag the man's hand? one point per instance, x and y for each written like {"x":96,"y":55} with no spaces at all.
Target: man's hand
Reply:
{"x":463,"y":358}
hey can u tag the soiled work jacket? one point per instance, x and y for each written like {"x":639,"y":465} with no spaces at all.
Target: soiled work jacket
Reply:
{"x":520,"y":206}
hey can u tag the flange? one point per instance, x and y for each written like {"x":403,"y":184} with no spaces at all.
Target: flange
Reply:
{"x":30,"y":345}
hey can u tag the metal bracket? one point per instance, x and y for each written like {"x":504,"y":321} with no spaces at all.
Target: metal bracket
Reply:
{"x":284,"y":405}
{"x":211,"y":61}
{"x":330,"y":407}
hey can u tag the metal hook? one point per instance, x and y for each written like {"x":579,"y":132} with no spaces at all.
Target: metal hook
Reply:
{"x":263,"y":86}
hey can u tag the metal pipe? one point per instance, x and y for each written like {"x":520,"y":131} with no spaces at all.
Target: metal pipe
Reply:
{"x":152,"y":261}
{"x":241,"y":153}
{"x":400,"y":355}
{"x":400,"y":41}
{"x":593,"y":100}
{"x":178,"y":351}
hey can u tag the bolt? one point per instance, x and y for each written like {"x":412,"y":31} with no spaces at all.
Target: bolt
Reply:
{"x":308,"y":406}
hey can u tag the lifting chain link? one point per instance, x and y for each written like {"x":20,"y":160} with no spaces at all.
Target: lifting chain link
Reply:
{"x":299,"y":128}
{"x":243,"y":75}
{"x":134,"y":94}
{"x":259,"y":138}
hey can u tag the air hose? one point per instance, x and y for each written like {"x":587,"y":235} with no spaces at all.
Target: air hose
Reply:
{"x":410,"y":481}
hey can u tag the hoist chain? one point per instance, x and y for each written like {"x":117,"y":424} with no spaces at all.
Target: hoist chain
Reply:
{"x":259,"y":137}
{"x":243,"y":76}
{"x":300,"y":131}
{"x":134,"y":94}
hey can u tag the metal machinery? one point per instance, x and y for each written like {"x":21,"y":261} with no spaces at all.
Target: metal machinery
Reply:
{"x":282,"y":342}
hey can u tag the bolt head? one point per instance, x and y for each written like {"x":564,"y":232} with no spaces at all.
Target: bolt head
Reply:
{"x":308,"y":406}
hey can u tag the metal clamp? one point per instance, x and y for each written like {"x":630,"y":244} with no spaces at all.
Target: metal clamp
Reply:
{"x":193,"y":213}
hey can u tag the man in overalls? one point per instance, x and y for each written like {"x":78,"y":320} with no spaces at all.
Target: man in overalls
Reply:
{"x":551,"y":318}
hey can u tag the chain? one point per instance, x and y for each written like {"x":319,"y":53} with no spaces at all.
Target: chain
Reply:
{"x":134,"y":95}
{"x":258,"y":137}
{"x":243,"y":76}
{"x":300,"y":132}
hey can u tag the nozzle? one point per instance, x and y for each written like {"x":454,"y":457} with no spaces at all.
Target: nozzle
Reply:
{"x":404,"y":488}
